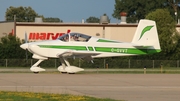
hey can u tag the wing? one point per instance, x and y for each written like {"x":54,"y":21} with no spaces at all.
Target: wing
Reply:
{"x":87,"y":55}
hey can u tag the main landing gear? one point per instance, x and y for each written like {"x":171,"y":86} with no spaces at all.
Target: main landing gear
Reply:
{"x":67,"y":68}
{"x":64,"y":68}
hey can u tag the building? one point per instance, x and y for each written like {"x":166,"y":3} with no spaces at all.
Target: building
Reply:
{"x":37,"y":31}
{"x":6,"y":28}
{"x":50,"y":31}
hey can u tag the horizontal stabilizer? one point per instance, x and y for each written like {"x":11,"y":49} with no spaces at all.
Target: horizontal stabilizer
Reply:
{"x":142,"y":46}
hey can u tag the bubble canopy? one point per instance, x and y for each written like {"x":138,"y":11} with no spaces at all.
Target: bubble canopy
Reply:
{"x":74,"y":37}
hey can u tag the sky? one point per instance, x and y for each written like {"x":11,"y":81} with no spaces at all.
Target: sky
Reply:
{"x":66,"y":10}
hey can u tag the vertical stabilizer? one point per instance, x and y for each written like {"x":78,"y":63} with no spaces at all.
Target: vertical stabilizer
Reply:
{"x":146,"y":34}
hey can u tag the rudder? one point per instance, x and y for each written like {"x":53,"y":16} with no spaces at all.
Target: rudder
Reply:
{"x":146,"y":34}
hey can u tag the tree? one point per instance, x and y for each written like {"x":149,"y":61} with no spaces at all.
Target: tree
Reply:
{"x":175,"y":5}
{"x":10,"y":48}
{"x":50,"y":19}
{"x":137,"y":9}
{"x":92,"y":19}
{"x":23,"y":14}
{"x":166,"y":26}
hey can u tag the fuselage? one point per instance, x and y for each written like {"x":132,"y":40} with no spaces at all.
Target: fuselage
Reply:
{"x":80,"y":45}
{"x":53,"y":48}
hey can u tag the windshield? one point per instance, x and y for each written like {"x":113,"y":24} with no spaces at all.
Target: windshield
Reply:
{"x":74,"y":37}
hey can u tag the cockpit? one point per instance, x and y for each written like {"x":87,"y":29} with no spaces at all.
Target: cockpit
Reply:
{"x":74,"y":37}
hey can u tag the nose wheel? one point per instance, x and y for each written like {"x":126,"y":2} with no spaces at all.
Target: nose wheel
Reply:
{"x":35,"y":72}
{"x":35,"y":68}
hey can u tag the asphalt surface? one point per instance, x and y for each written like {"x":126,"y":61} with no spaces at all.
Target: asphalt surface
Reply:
{"x":129,"y":87}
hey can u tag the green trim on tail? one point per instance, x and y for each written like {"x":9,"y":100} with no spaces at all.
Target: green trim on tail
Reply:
{"x":147,"y":28}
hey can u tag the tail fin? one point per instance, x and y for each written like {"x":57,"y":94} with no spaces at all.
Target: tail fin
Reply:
{"x":146,"y":34}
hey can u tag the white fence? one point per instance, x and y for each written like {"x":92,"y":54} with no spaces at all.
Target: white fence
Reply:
{"x":101,"y":63}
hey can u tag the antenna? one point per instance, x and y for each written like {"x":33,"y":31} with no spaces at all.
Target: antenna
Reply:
{"x":68,"y":32}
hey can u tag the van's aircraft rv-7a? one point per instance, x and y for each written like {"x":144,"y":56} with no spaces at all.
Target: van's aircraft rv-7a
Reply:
{"x":77,"y":45}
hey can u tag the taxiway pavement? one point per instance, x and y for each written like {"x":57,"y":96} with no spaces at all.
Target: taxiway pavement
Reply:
{"x":129,"y":87}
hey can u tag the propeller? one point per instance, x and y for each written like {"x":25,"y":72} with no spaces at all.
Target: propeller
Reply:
{"x":25,"y":46}
{"x":26,"y":41}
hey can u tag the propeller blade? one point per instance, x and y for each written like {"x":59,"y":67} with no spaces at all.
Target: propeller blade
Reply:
{"x":26,"y":38}
{"x":26,"y":54}
{"x":26,"y":41}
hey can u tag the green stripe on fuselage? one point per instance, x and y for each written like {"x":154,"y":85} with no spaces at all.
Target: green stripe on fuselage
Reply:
{"x":64,"y":47}
{"x":90,"y":48}
{"x":126,"y":50}
{"x":105,"y":49}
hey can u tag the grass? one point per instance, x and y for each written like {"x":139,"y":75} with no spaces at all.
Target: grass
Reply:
{"x":29,"y":96}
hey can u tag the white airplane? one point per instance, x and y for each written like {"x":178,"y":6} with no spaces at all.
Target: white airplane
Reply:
{"x":77,"y":45}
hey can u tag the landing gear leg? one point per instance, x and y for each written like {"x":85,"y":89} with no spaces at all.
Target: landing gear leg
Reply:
{"x":65,"y":63}
{"x":66,"y":67}
{"x":35,"y":67}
